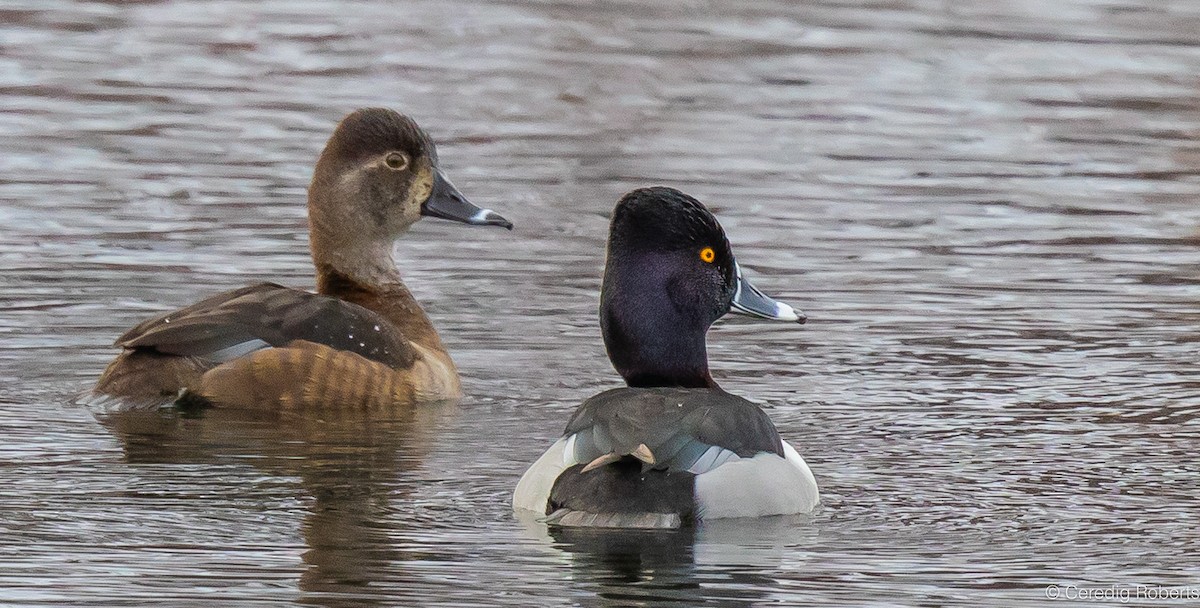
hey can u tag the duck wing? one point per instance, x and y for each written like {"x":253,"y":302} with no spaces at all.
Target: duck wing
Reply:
{"x":692,"y":430}
{"x":241,"y":321}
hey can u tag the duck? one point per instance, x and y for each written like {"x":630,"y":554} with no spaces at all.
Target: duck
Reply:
{"x":362,"y":340}
{"x":671,"y":448}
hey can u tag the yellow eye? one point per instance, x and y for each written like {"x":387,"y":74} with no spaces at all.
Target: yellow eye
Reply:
{"x":396,"y":160}
{"x":708,"y":255}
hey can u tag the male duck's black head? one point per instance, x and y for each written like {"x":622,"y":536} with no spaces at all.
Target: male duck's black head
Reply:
{"x":670,"y":274}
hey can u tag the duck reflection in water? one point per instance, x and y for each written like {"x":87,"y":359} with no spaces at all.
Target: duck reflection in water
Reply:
{"x":351,"y":470}
{"x":720,"y":563}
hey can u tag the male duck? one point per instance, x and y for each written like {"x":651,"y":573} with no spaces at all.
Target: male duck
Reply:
{"x":362,"y":339}
{"x":672,"y":447}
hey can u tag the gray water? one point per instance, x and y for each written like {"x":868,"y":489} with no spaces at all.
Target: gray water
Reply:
{"x":988,"y":210}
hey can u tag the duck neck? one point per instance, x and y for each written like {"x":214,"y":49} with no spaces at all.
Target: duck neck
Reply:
{"x":364,"y":273}
{"x":651,"y":344}
{"x":366,"y":261}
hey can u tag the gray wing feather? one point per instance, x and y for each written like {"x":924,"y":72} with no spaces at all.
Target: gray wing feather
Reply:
{"x":237,"y":322}
{"x":692,"y":430}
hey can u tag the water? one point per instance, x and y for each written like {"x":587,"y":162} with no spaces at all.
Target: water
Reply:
{"x":987,"y":209}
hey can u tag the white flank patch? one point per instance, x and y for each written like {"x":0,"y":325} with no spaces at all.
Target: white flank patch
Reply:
{"x":533,"y":491}
{"x":754,"y":487}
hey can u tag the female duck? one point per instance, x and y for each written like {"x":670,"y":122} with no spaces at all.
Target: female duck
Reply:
{"x":672,"y":447}
{"x":362,"y":339}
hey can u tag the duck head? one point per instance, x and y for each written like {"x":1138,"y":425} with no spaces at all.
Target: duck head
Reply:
{"x":669,"y":276}
{"x":378,"y":175}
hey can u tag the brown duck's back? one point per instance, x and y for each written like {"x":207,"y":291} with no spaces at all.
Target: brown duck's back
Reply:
{"x":269,"y":345}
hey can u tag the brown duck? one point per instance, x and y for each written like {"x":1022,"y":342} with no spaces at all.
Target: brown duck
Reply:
{"x":361,"y":341}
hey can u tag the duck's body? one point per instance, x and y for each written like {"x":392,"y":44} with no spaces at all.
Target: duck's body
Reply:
{"x":269,"y":344}
{"x":672,"y":448}
{"x":362,"y":340}
{"x":711,"y":455}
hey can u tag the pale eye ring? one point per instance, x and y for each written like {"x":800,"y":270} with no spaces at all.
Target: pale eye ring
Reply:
{"x":396,"y":160}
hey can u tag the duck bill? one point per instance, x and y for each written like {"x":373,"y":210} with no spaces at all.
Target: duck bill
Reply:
{"x":748,"y":300}
{"x":448,"y":203}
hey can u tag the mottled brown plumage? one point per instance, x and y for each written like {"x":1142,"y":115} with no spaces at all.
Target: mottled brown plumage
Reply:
{"x":361,"y":341}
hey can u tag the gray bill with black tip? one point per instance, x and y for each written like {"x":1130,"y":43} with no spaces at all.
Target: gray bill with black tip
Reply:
{"x":748,"y":300}
{"x":448,"y":203}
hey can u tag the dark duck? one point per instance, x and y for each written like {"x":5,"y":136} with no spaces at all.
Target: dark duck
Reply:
{"x":361,"y":341}
{"x":672,"y":448}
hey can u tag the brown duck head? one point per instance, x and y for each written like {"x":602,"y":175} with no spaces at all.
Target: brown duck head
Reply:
{"x":378,"y":175}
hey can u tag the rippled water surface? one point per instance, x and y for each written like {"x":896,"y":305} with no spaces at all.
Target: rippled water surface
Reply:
{"x":988,"y":209}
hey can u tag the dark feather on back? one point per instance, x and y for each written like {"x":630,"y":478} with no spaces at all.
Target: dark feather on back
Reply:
{"x":276,"y":315}
{"x":673,"y":422}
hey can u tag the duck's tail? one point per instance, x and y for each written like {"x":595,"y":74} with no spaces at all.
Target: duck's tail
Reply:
{"x":621,"y":494}
{"x":143,"y":379}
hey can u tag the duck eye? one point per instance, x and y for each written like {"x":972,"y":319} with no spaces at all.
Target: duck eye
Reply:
{"x":708,"y":255}
{"x":396,"y":160}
